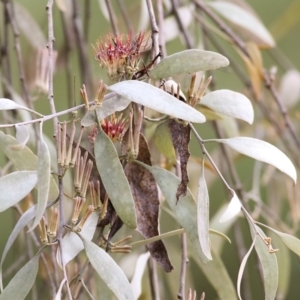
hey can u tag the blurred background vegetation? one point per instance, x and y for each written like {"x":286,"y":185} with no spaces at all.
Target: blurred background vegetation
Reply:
{"x":279,"y":198}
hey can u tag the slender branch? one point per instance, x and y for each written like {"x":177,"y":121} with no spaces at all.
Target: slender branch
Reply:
{"x":125,"y":16}
{"x":154,"y":31}
{"x":160,"y":17}
{"x":112,"y":17}
{"x":186,"y":35}
{"x":153,"y":279}
{"x":87,"y":16}
{"x":51,"y":40}
{"x":82,"y":49}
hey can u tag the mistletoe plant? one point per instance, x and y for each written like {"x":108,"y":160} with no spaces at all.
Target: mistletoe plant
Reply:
{"x":114,"y":174}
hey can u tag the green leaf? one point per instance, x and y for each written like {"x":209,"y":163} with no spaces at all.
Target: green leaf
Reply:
{"x":109,"y":271}
{"x":156,"y":99}
{"x":185,"y":209}
{"x":114,"y":179}
{"x":163,"y":141}
{"x":216,"y":273}
{"x":7,"y":104}
{"x":203,"y":214}
{"x":188,"y":61}
{"x":244,"y":19}
{"x":43,"y":184}
{"x":22,"y":282}
{"x":22,"y":222}
{"x":233,"y":208}
{"x":15,"y":186}
{"x":229,"y":103}
{"x":242,"y":267}
{"x":268,"y":263}
{"x":108,"y":107}
{"x":290,"y":241}
{"x":23,"y":159}
{"x":262,"y":151}
{"x":71,"y":242}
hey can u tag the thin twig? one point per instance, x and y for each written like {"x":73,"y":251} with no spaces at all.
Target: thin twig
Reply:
{"x":125,"y":16}
{"x":86,"y":77}
{"x":153,"y":279}
{"x":112,"y":17}
{"x":185,"y":33}
{"x":154,"y":31}
{"x":160,"y":17}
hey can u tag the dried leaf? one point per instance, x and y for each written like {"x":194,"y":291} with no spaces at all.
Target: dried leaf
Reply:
{"x":145,"y":194}
{"x":180,"y":134}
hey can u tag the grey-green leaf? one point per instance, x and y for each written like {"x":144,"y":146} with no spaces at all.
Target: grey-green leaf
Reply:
{"x":262,"y":151}
{"x":114,"y":179}
{"x":43,"y":184}
{"x":109,"y":271}
{"x":203,"y":214}
{"x":230,"y":103}
{"x":185,"y":209}
{"x":156,"y":99}
{"x":290,"y":241}
{"x":23,"y":159}
{"x":7,"y":104}
{"x":108,"y":107}
{"x":22,"y":282}
{"x":188,"y":61}
{"x":216,"y":273}
{"x":268,"y":263}
{"x":15,"y":186}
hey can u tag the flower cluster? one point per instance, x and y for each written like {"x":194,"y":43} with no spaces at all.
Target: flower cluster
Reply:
{"x":114,"y":127}
{"x":120,"y":55}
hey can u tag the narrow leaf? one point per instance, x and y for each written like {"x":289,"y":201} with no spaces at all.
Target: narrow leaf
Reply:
{"x":15,"y":186}
{"x":230,"y":103}
{"x":290,"y":241}
{"x":185,"y":210}
{"x":108,"y":107}
{"x":163,"y":142}
{"x":58,"y":294}
{"x":24,"y":159}
{"x":156,"y":99}
{"x":262,"y":151}
{"x":22,"y":222}
{"x":233,"y":208}
{"x":72,"y":243}
{"x":188,"y":61}
{"x":244,"y":19}
{"x":22,"y":282}
{"x":7,"y":104}
{"x":203,"y":214}
{"x":268,"y":263}
{"x":136,"y":282}
{"x":242,"y":267}
{"x":216,"y":273}
{"x":22,"y":136}
{"x":43,"y":184}
{"x":109,"y":271}
{"x":114,"y":179}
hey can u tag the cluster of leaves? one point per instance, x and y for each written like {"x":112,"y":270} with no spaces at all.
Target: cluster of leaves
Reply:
{"x":124,"y":186}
